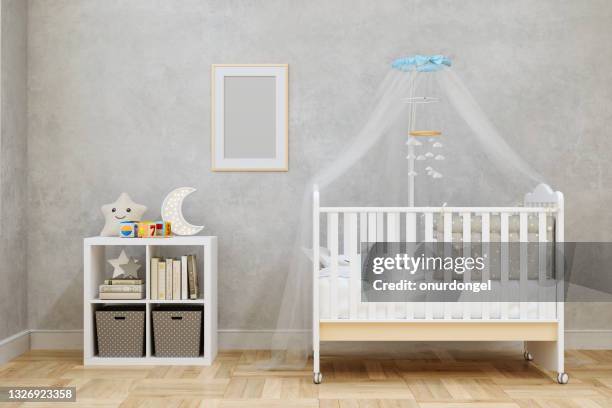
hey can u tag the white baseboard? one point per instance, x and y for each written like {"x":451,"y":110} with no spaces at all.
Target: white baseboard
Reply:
{"x":237,"y":339}
{"x":229,"y":339}
{"x":27,"y":340}
{"x":14,"y":346}
{"x":56,"y":339}
{"x":233,"y":339}
{"x":583,"y":339}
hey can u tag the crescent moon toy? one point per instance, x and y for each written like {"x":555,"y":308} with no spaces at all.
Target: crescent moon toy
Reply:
{"x":172,"y":211}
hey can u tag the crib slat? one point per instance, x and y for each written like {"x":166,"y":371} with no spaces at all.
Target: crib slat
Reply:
{"x":380,"y":237}
{"x":485,"y":239}
{"x":372,"y":238}
{"x":429,"y":240}
{"x":363,"y":237}
{"x":411,"y":239}
{"x":428,"y":232}
{"x":467,"y":238}
{"x":380,"y":227}
{"x":428,"y":227}
{"x":393,"y":233}
{"x":523,"y":274}
{"x":363,"y":229}
{"x":332,"y":244}
{"x":350,"y":222}
{"x":505,"y":239}
{"x":448,"y":239}
{"x":542,"y":238}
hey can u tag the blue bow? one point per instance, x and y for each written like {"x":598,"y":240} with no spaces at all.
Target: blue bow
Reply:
{"x":422,"y":63}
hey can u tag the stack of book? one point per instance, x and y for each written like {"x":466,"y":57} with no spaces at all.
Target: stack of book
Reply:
{"x":174,"y":279}
{"x":122,"y":289}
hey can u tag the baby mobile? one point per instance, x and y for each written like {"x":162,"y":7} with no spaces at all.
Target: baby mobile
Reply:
{"x":423,"y":146}
{"x":423,"y":139}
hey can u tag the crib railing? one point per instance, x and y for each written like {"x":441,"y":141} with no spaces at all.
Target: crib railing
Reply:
{"x":343,"y":229}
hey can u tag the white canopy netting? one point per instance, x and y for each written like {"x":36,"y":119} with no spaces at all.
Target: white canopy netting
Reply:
{"x":426,"y":143}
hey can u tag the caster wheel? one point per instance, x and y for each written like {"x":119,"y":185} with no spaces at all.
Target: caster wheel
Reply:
{"x":317,"y":378}
{"x":527,"y":355}
{"x":562,"y":378}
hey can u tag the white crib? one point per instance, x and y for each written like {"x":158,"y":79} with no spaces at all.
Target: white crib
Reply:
{"x":340,"y":315}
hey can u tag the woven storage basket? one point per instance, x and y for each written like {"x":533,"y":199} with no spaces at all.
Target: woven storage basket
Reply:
{"x":177,"y":333}
{"x":120,"y":333}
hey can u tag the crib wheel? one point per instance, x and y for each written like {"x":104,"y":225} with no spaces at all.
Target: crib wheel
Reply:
{"x":527,"y":355}
{"x":317,"y":378}
{"x":562,"y":378}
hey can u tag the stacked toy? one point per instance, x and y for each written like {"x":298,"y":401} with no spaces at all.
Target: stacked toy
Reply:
{"x":145,"y":229}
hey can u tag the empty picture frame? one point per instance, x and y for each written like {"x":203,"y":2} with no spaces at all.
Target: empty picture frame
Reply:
{"x":250,"y":117}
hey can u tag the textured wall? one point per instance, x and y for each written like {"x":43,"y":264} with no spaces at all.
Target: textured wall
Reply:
{"x":119,"y":101}
{"x":13,"y":107}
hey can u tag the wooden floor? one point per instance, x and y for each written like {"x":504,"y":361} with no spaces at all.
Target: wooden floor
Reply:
{"x":430,"y":379}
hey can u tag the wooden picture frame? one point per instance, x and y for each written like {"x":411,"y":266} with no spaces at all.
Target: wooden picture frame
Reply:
{"x":250,"y":117}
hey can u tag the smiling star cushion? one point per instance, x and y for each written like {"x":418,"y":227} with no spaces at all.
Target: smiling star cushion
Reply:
{"x":124,"y":209}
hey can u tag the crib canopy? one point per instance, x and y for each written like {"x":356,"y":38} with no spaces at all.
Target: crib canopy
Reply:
{"x":427,"y":133}
{"x":426,"y":142}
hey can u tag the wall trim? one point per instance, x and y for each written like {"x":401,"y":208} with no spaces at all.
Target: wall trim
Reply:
{"x":588,"y":339}
{"x":42,"y":339}
{"x":14,"y":346}
{"x":233,"y":339}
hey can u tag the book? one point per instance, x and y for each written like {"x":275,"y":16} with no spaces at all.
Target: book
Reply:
{"x":190,"y":282}
{"x":123,"y":282}
{"x":192,"y":277}
{"x":121,"y":296}
{"x":161,"y":280}
{"x":169,"y":267}
{"x":184,"y":291}
{"x":122,"y":288}
{"x":154,"y":277}
{"x":176,"y":279}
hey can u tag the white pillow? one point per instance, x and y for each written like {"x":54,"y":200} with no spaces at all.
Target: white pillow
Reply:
{"x":325,"y":258}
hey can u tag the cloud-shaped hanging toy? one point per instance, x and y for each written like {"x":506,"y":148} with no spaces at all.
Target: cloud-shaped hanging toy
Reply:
{"x":172,"y":211}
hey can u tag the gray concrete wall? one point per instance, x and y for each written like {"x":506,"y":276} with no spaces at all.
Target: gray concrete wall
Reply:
{"x":119,"y":100}
{"x":13,"y":138}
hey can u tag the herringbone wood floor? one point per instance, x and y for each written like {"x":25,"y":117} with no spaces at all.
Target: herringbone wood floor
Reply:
{"x":431,"y":379}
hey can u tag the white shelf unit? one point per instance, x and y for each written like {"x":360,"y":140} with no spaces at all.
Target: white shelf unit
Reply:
{"x":95,"y":271}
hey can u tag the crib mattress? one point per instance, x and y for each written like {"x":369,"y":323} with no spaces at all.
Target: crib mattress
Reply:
{"x":417,"y":309}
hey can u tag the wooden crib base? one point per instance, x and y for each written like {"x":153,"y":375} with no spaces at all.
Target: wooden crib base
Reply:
{"x":542,"y":340}
{"x":439,"y":331}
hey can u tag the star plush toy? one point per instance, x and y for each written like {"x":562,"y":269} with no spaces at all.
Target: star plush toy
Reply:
{"x":124,"y":267}
{"x":124,"y":209}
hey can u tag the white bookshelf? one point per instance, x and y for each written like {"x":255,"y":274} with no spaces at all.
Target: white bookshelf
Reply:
{"x":95,"y":271}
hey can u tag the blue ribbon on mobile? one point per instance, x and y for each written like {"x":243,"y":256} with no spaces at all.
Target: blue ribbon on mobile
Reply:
{"x":422,"y":63}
